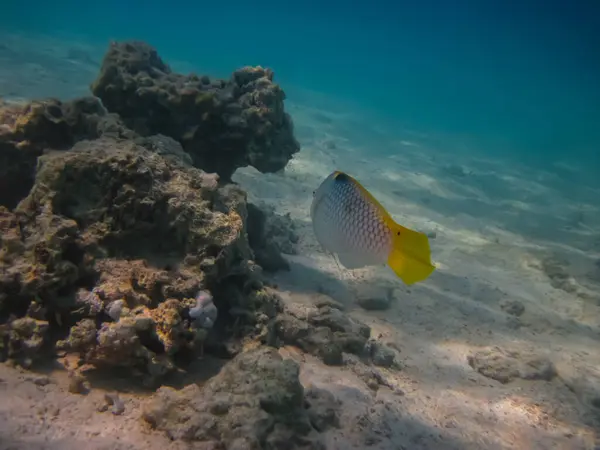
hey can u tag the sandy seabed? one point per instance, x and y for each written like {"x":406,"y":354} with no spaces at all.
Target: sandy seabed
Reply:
{"x":518,"y":279}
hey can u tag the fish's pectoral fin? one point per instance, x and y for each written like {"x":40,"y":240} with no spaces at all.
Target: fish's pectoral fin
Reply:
{"x":337,"y":263}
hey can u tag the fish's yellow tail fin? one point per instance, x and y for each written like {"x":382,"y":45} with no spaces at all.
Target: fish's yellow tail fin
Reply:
{"x":410,"y":257}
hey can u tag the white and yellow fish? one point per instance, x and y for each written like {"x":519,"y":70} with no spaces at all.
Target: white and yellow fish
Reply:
{"x":349,"y":222}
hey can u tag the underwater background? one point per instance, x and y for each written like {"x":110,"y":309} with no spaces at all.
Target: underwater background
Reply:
{"x":518,"y":79}
{"x":130,"y":268}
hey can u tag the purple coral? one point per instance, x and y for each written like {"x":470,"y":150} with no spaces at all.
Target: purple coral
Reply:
{"x":90,"y":300}
{"x":205,"y":311}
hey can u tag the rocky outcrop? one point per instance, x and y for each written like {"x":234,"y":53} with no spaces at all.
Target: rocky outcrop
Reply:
{"x":29,"y":130}
{"x":507,"y":365}
{"x":222,"y":124}
{"x":117,"y":222}
{"x":326,"y":333}
{"x":255,"y":402}
{"x":116,"y":234}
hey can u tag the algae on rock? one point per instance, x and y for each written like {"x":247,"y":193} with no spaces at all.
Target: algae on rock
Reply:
{"x":222,"y":124}
{"x":110,"y":221}
{"x":256,"y":401}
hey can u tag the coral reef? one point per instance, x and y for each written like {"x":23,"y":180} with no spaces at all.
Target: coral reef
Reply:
{"x":115,"y":241}
{"x":109,"y":234}
{"x":123,"y":242}
{"x":24,"y":339}
{"x":28,"y":130}
{"x":221,"y":124}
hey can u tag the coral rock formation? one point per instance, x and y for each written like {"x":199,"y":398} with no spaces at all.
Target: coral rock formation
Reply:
{"x":116,"y":233}
{"x":114,"y":219}
{"x":222,"y":124}
{"x":326,"y":333}
{"x":28,"y":130}
{"x":256,"y":401}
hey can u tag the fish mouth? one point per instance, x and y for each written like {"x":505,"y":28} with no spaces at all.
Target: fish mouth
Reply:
{"x":318,"y":194}
{"x":315,"y":204}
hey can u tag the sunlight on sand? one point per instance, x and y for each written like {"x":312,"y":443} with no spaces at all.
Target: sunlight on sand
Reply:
{"x":475,"y":257}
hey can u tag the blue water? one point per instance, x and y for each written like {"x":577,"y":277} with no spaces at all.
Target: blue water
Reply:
{"x":518,"y":78}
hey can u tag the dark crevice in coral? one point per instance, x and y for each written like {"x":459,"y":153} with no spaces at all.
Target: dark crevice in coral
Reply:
{"x":56,"y":332}
{"x":148,"y":339}
{"x":142,"y":244}
{"x":16,"y":186}
{"x":87,"y":279}
{"x":13,"y":304}
{"x":65,"y":291}
{"x":72,"y":252}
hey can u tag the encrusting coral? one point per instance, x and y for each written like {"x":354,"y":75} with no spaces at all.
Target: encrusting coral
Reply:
{"x":221,"y":124}
{"x":111,"y":232}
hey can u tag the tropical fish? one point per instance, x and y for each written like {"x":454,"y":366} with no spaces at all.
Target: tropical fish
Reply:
{"x":350,"y":223}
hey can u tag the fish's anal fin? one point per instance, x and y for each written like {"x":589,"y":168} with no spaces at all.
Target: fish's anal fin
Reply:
{"x":410,"y":257}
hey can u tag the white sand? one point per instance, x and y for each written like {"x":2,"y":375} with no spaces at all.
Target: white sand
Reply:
{"x":494,"y":222}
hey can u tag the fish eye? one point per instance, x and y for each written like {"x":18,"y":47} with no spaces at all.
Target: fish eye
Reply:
{"x":314,"y":193}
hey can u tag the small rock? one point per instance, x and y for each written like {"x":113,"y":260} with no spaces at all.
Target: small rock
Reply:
{"x":555,"y":268}
{"x":584,"y":382}
{"x":115,"y":309}
{"x":322,"y":409}
{"x":372,"y":376}
{"x":512,"y":307}
{"x":118,"y":407}
{"x":374,"y":298}
{"x":41,"y":381}
{"x":381,"y":355}
{"x":504,"y":366}
{"x":372,"y":383}
{"x":328,"y":333}
{"x":271,"y":234}
{"x":256,"y":401}
{"x":77,"y":384}
{"x":322,"y":300}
